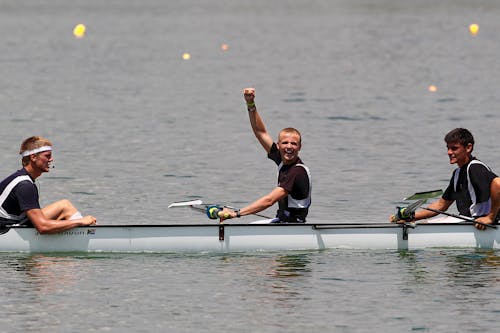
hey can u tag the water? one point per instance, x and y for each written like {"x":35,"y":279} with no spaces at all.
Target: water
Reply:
{"x":136,"y":127}
{"x":337,"y":291}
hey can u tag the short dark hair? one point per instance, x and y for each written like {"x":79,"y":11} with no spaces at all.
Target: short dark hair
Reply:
{"x":460,"y":135}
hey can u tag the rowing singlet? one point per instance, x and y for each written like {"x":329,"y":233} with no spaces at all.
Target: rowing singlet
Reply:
{"x":470,"y":188}
{"x":296,"y":180}
{"x":18,"y":195}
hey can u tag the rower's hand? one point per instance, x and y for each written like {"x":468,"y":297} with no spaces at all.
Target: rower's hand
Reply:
{"x":249,"y":94}
{"x":402,"y":216}
{"x":214,"y":212}
{"x":395,"y":219}
{"x":226,"y":214}
{"x":485,"y":220}
{"x":89,"y":220}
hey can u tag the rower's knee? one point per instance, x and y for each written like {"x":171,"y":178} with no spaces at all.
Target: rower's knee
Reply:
{"x":66,"y":208}
{"x":66,"y":204}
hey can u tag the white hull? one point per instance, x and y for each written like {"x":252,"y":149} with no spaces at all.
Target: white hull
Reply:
{"x":248,"y":237}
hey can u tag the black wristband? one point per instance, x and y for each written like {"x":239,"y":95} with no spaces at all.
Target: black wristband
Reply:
{"x":238,"y":213}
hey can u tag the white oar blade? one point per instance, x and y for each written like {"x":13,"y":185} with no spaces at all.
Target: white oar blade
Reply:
{"x":185,"y":203}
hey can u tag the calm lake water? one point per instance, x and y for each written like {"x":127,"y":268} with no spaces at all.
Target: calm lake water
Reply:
{"x":136,"y":127}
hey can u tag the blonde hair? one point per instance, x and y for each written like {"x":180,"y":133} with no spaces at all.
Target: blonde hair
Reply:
{"x":291,"y":130}
{"x":31,"y":143}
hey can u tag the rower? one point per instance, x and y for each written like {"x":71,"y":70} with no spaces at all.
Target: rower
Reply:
{"x":19,"y":203}
{"x":469,"y":185}
{"x":293,"y":192}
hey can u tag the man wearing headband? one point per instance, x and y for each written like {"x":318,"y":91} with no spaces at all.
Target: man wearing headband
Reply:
{"x":19,"y":203}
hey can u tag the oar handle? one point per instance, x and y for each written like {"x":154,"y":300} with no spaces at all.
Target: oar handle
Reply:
{"x":465,"y":218}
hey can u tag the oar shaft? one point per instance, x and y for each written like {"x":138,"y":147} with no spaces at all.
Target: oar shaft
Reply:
{"x":465,"y":218}
{"x":198,"y":208}
{"x":203,"y":209}
{"x":195,"y":204}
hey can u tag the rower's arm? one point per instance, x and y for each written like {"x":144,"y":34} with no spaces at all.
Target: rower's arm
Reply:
{"x":495,"y":202}
{"x":440,"y":204}
{"x":257,"y":206}
{"x":258,"y":127}
{"x":264,"y":202}
{"x":47,"y":226}
{"x":495,"y":198}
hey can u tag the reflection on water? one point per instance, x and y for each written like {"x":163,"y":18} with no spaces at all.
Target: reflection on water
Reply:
{"x":478,"y":268}
{"x":292,"y":265}
{"x":271,"y":280}
{"x":416,"y":271}
{"x":287,"y":279}
{"x":44,"y":274}
{"x":270,"y":291}
{"x":466,"y":268}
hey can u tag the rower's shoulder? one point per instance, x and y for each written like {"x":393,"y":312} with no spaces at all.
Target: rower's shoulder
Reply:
{"x":478,"y":166}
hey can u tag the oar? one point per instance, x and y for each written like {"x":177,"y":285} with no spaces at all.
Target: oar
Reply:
{"x":185,"y":203}
{"x":194,"y":203}
{"x":213,"y":211}
{"x":406,"y":213}
{"x":413,"y":207}
{"x":435,"y":193}
{"x":425,"y":195}
{"x":465,"y":218}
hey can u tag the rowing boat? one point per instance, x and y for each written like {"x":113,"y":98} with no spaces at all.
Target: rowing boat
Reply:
{"x":223,"y":238}
{"x":451,"y":231}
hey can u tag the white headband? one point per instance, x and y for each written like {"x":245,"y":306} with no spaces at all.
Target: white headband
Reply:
{"x":36,"y":150}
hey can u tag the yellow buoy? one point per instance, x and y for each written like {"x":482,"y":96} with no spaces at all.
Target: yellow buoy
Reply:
{"x":474,"y":29}
{"x":79,"y":30}
{"x":186,"y":56}
{"x":432,"y":88}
